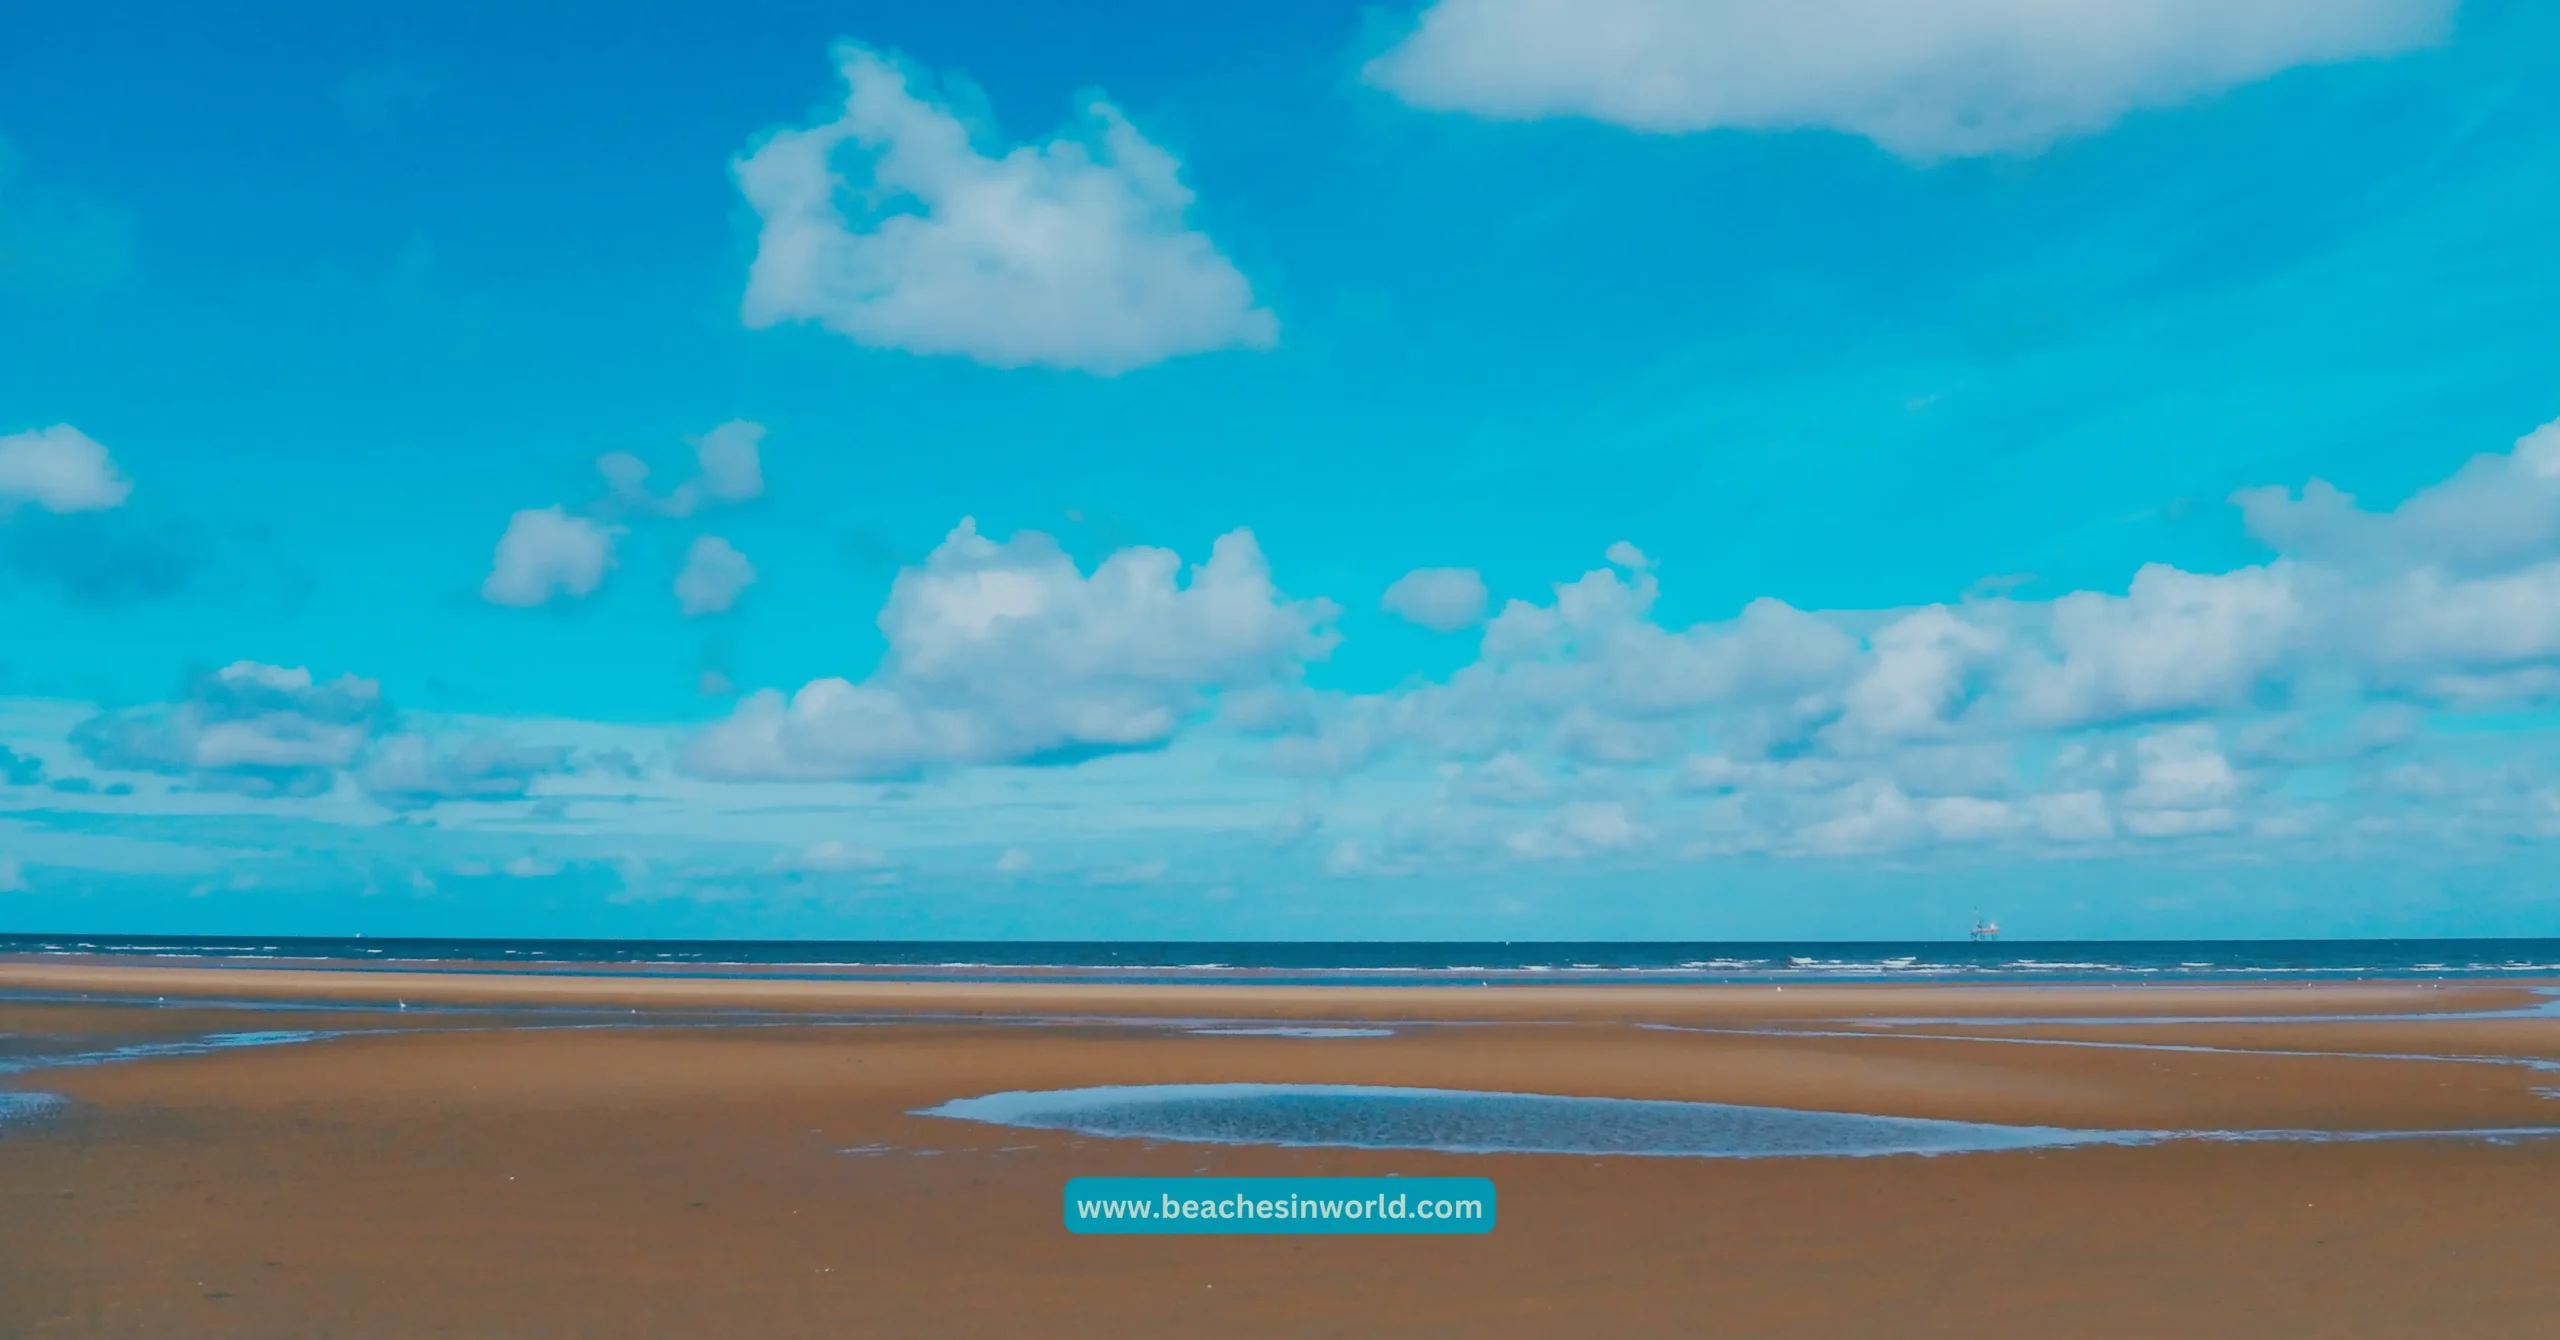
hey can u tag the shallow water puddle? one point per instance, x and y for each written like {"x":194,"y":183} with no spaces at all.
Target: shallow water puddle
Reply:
{"x":26,"y":1109}
{"x":1464,"y":1121}
{"x":1467,"y":1121}
{"x":1292,"y":1031}
{"x":21,"y":1054}
{"x":85,"y":1052}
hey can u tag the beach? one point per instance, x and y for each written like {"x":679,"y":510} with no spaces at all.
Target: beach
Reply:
{"x":489,"y":1154}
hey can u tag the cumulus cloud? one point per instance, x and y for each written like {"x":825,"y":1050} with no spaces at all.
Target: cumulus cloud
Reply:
{"x":257,"y":729}
{"x":409,"y":771}
{"x":59,"y":469}
{"x":2073,"y":816}
{"x":275,"y":731}
{"x":2500,"y":510}
{"x":714,"y":575}
{"x":889,"y":226}
{"x":2170,"y":711}
{"x":1008,"y":653}
{"x":728,"y":468}
{"x":547,"y":553}
{"x":727,"y":459}
{"x":1590,"y":675}
{"x":1578,"y":829}
{"x":2176,"y":641}
{"x":1874,"y":815}
{"x":1921,"y":670}
{"x":2181,"y":768}
{"x":1926,"y":80}
{"x":1441,"y":599}
{"x":1505,"y":779}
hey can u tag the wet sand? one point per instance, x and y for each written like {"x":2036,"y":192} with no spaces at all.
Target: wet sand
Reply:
{"x":488,"y":1172}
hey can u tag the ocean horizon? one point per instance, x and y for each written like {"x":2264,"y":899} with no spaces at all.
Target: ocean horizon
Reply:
{"x":1420,"y":962}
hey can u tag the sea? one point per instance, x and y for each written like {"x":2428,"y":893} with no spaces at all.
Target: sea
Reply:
{"x":1418,"y":963}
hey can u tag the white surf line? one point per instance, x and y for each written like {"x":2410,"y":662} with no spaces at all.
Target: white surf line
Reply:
{"x":2548,"y":1009}
{"x":2526,"y":1062}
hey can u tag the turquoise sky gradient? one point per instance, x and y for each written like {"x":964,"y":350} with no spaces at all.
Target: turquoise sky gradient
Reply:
{"x":1820,"y":391}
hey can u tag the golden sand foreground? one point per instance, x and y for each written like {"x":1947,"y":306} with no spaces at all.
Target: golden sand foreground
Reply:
{"x":685,"y":1172}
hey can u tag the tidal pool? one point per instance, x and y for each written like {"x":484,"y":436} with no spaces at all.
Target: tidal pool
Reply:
{"x":1475,"y":1122}
{"x":1292,"y":1031}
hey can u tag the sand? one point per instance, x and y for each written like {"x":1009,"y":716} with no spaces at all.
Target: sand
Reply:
{"x":683,"y":1174}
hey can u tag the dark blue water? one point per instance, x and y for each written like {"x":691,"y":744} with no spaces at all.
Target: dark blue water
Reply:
{"x":1413,"y":963}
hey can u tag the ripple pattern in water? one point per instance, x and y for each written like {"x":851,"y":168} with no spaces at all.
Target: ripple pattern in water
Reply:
{"x":1475,"y":1122}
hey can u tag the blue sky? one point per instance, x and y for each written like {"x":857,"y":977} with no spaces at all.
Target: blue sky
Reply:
{"x":1470,"y":470}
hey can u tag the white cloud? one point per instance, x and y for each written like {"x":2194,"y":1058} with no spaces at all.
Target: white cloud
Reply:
{"x":1441,"y":599}
{"x":728,"y":468}
{"x":2181,"y":768}
{"x":2177,"y":641}
{"x":1875,"y":815}
{"x":59,"y":469}
{"x":1579,"y":829}
{"x":1926,"y":79}
{"x":1967,"y":818}
{"x":252,"y":728}
{"x":13,"y":875}
{"x":409,"y":771}
{"x":1008,"y":653}
{"x":2434,"y":632}
{"x":1592,"y":677}
{"x":1071,"y":254}
{"x":270,"y":731}
{"x":548,"y":553}
{"x":2185,"y":706}
{"x":530,"y":867}
{"x":1868,"y":817}
{"x":1918,"y":676}
{"x":1717,"y":774}
{"x":714,"y":575}
{"x":727,"y":459}
{"x":2073,"y":816}
{"x":2498,"y":511}
{"x":1505,"y":779}
{"x":1598,"y":824}
{"x":2084,"y":719}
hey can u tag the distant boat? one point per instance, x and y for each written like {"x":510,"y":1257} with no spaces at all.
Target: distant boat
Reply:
{"x":1985,"y":930}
